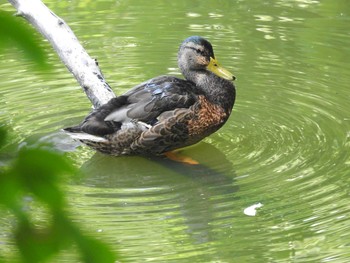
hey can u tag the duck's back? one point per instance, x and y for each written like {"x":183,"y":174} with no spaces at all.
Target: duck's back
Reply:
{"x":149,"y":114}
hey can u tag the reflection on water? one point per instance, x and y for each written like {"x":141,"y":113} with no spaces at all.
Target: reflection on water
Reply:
{"x":166,"y":189}
{"x":179,"y":205}
{"x":286,"y":146}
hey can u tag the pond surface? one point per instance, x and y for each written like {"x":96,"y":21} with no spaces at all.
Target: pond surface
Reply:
{"x":273,"y":185}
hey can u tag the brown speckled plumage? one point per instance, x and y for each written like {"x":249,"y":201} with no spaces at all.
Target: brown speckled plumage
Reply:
{"x":164,"y":113}
{"x":208,"y":118}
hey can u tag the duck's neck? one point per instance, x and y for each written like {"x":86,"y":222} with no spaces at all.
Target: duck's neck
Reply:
{"x":218,"y":90}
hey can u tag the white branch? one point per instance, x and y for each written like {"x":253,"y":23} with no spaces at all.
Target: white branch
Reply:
{"x":67,"y":46}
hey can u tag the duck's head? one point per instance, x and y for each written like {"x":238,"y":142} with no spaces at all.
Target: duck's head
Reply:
{"x":196,"y":55}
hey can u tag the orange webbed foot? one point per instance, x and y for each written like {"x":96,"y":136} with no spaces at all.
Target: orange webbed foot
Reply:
{"x":177,"y":157}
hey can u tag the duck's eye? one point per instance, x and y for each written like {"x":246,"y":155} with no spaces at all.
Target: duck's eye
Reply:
{"x":200,"y":51}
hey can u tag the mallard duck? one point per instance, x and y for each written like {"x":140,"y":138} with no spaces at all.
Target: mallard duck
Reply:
{"x":164,"y":113}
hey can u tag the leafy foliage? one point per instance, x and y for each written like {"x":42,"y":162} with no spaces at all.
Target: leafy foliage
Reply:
{"x":13,"y":31}
{"x":36,"y":172}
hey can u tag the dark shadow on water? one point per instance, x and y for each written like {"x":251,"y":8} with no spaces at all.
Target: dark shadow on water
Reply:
{"x":204,"y":193}
{"x":213,"y":170}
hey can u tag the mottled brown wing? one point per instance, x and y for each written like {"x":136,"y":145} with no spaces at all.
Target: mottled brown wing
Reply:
{"x":169,"y":133}
{"x":145,"y":102}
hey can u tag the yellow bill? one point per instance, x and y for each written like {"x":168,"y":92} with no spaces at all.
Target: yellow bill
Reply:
{"x":219,"y":71}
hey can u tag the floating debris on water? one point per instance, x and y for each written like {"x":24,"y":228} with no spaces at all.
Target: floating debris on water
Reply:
{"x":251,"y":210}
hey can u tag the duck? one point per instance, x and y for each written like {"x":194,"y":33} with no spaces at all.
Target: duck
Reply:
{"x":164,"y":113}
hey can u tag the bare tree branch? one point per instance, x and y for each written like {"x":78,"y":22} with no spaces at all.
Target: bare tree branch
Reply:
{"x":73,"y":55}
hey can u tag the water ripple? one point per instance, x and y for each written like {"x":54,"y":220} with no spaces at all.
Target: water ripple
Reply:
{"x":286,"y":146}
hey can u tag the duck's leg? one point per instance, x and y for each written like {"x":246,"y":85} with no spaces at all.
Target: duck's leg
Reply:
{"x":177,"y":157}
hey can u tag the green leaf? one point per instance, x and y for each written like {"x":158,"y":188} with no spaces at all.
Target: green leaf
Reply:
{"x":14,"y":31}
{"x":39,"y":170}
{"x":10,"y":191}
{"x":37,"y":245}
{"x":92,"y":250}
{"x":3,"y":135}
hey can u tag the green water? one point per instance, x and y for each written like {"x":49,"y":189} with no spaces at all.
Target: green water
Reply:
{"x":286,"y":145}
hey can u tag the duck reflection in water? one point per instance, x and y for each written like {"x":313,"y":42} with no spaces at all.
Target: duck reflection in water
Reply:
{"x":196,"y":191}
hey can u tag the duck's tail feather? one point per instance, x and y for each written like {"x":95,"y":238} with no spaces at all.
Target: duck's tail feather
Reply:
{"x":82,"y":136}
{"x":74,"y":129}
